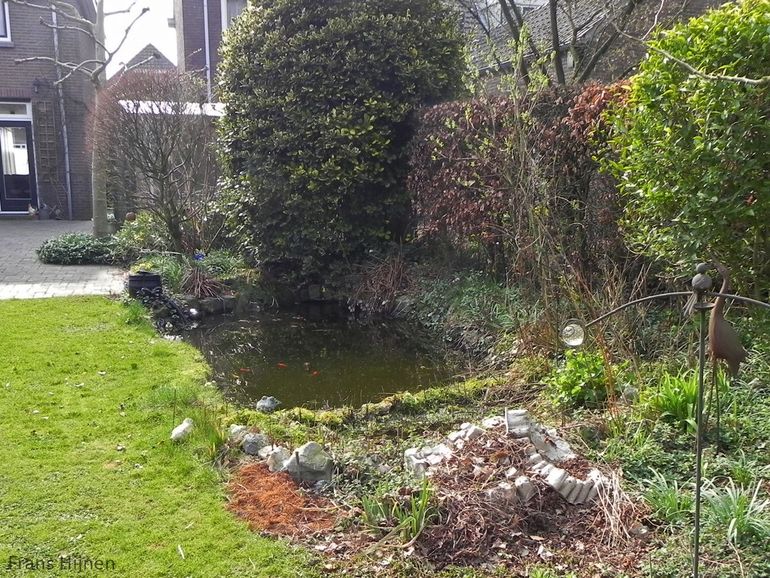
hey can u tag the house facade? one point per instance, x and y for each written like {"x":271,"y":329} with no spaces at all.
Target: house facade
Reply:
{"x":200,"y":25}
{"x":44,"y":152}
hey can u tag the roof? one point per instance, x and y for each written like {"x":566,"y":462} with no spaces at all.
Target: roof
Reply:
{"x":582,"y":15}
{"x":150,"y":58}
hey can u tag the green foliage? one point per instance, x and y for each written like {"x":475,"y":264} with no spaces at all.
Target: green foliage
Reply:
{"x":738,"y":510}
{"x":144,"y":234}
{"x":692,"y":153}
{"x":580,"y":381}
{"x":173,"y":268}
{"x":406,"y":518}
{"x":223,"y":264}
{"x":319,"y":101}
{"x":674,"y":399}
{"x":76,"y":249}
{"x":669,"y":502}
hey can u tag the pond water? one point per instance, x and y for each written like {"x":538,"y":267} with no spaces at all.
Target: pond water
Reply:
{"x":312,"y":360}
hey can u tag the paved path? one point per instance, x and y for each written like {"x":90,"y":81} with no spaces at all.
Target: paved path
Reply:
{"x":23,"y":276}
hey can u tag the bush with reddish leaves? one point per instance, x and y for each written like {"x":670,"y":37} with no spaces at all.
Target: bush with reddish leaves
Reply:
{"x":519,"y":177}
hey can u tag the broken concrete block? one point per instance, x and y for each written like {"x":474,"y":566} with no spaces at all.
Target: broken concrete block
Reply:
{"x":516,"y":418}
{"x":555,"y":478}
{"x":511,"y":473}
{"x":550,"y":445}
{"x":455,"y":435}
{"x":525,"y":489}
{"x":502,"y":492}
{"x":442,"y":450}
{"x":567,"y":486}
{"x":534,"y":459}
{"x":492,"y":422}
{"x":434,"y":459}
{"x":473,"y":432}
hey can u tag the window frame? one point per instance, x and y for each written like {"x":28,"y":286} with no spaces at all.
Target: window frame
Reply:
{"x":5,"y":15}
{"x":223,"y":12}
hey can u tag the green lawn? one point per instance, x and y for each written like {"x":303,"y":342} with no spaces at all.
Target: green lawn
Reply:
{"x":76,"y":382}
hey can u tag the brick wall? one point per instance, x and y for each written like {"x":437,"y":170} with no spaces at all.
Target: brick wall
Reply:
{"x":34,"y":82}
{"x":190,"y":33}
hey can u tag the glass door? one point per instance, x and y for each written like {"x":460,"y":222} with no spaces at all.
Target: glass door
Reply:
{"x":18,"y":189}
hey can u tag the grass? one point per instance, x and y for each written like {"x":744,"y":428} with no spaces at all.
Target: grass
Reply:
{"x":79,"y":378}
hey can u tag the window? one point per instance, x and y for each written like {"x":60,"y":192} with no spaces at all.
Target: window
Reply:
{"x":5,"y":31}
{"x":231,"y":9}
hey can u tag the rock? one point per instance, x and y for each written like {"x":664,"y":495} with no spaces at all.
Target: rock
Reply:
{"x":181,"y":431}
{"x":237,"y":432}
{"x":415,"y":463}
{"x":253,"y":442}
{"x":525,"y":489}
{"x":265,"y":452}
{"x":276,"y":459}
{"x":267,"y":404}
{"x":310,"y":463}
{"x":442,"y":450}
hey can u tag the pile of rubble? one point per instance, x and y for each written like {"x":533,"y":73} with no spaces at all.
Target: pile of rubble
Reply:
{"x":545,"y":452}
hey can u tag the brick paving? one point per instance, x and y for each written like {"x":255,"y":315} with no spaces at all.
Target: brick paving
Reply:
{"x":23,"y":276}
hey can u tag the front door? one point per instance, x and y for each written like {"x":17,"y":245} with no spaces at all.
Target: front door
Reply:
{"x":18,"y":189}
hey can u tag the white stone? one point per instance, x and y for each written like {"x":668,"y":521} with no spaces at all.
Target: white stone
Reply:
{"x":455,"y":435}
{"x":237,"y":432}
{"x":442,"y":450}
{"x":519,"y":431}
{"x":181,"y":431}
{"x":310,"y":463}
{"x":265,"y":452}
{"x":511,"y":473}
{"x":276,"y":460}
{"x":465,"y":425}
{"x":535,"y":458}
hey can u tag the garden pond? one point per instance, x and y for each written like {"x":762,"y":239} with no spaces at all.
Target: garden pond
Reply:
{"x":317,"y":358}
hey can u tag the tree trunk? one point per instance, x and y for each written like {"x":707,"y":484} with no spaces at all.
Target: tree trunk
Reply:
{"x":556,"y":44}
{"x":98,"y":176}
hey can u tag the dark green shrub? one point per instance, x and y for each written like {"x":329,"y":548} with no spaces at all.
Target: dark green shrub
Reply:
{"x":692,"y":152}
{"x":319,"y":98}
{"x":77,"y":249}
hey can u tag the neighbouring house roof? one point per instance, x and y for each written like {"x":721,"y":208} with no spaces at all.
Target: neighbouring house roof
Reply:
{"x":580,"y":16}
{"x":150,"y":58}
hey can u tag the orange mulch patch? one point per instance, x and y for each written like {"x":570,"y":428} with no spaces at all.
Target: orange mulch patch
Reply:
{"x":272,"y":502}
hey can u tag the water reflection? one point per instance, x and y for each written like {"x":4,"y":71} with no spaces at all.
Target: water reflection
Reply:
{"x":312,"y":359}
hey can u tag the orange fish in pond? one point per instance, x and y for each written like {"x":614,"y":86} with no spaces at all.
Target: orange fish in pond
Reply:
{"x":316,"y":373}
{"x":245,"y":370}
{"x":281,"y":365}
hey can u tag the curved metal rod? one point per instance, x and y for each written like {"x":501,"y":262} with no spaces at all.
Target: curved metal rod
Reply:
{"x":635,"y":302}
{"x":739,"y":298}
{"x":675,"y":294}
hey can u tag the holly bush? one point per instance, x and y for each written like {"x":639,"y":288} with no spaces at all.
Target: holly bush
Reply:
{"x":693,"y":153}
{"x":319,"y":99}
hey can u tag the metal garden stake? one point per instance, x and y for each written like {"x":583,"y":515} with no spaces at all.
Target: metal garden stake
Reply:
{"x":725,"y":345}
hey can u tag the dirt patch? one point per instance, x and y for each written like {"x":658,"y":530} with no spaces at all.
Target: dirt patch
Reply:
{"x":273,"y":503}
